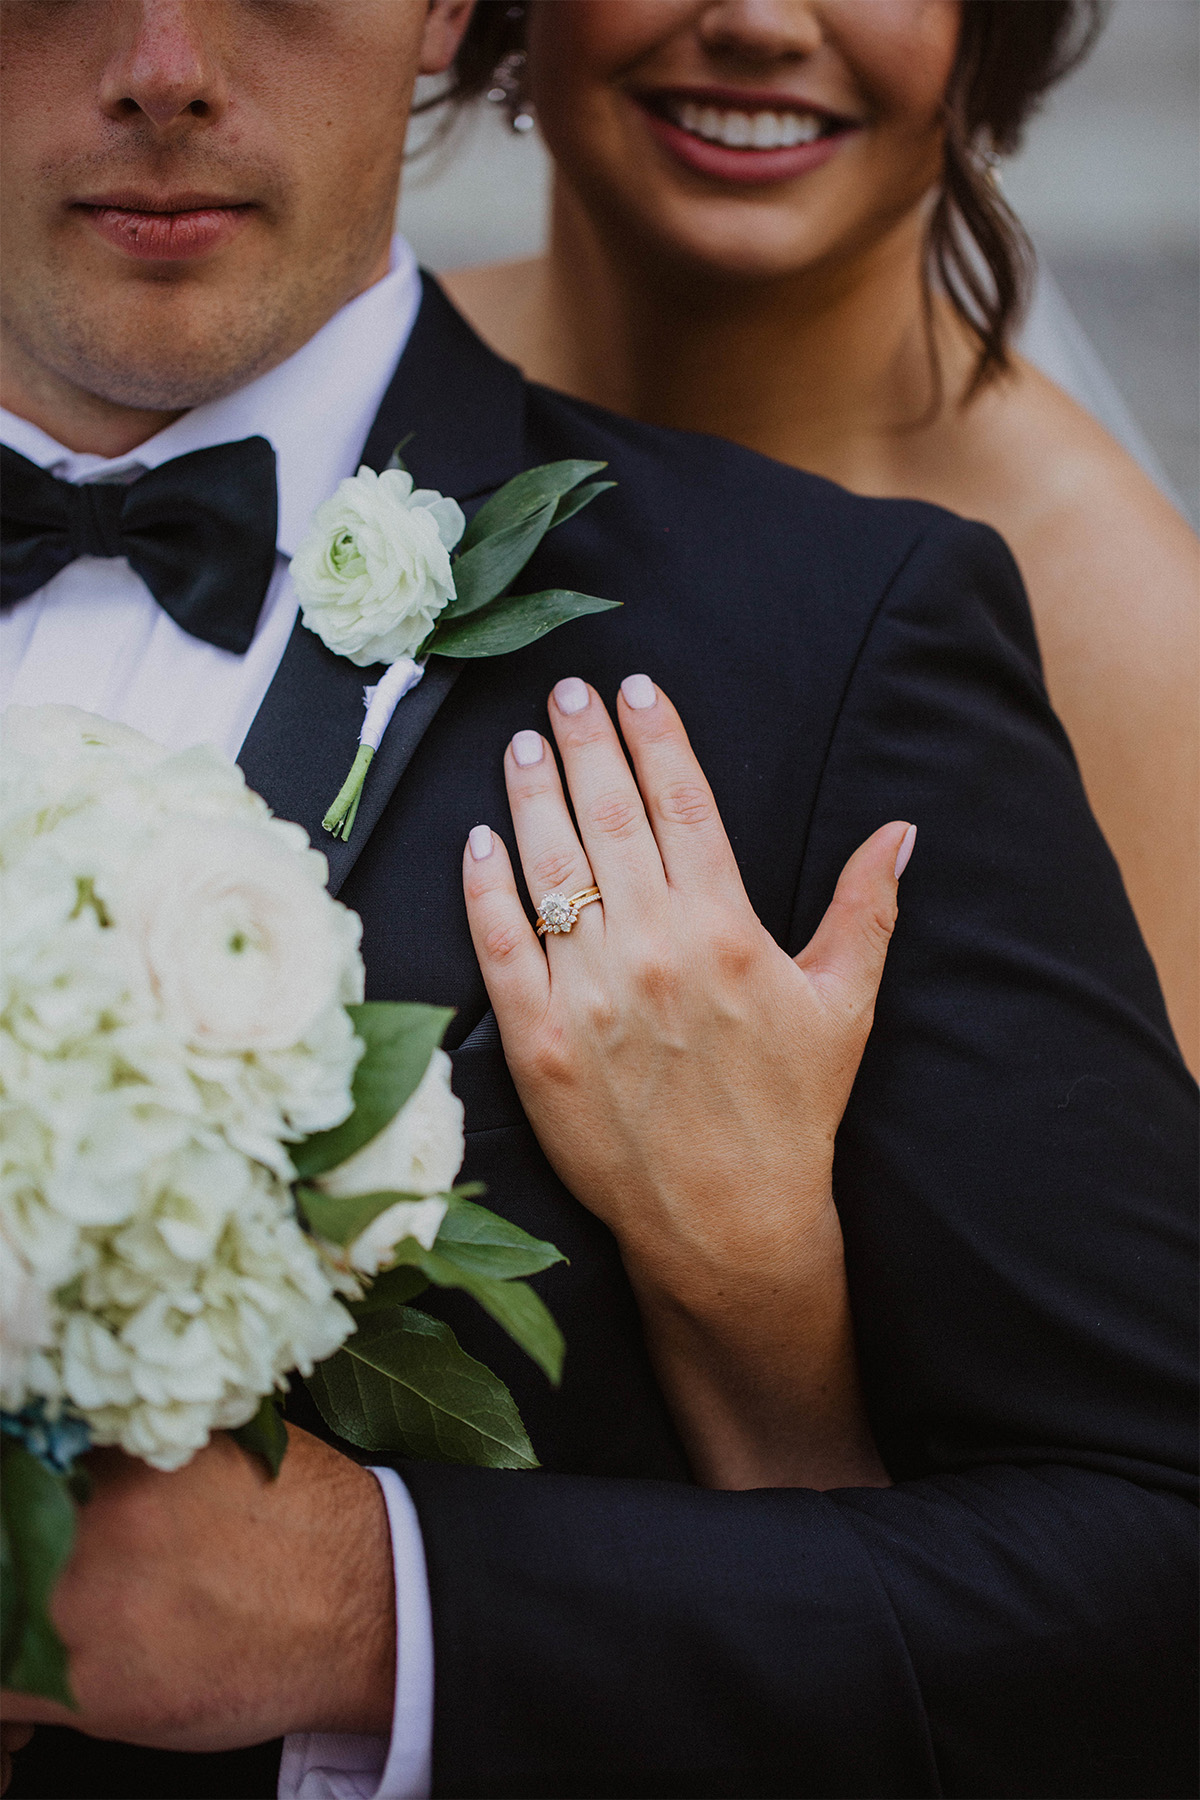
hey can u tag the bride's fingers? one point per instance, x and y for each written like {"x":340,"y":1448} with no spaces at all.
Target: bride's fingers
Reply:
{"x":691,"y":839}
{"x":515,"y":972}
{"x":552,"y":858}
{"x":612,"y":818}
{"x":844,"y":958}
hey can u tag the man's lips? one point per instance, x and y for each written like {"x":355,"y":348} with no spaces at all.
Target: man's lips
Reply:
{"x":744,"y":138}
{"x":170,"y":233}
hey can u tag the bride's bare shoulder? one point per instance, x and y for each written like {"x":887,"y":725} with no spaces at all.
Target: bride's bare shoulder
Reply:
{"x":1057,"y":484}
{"x":503,"y":303}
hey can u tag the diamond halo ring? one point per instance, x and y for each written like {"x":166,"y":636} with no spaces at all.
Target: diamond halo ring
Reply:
{"x":557,"y":912}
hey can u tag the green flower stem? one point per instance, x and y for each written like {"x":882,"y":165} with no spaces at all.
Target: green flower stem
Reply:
{"x":340,"y":817}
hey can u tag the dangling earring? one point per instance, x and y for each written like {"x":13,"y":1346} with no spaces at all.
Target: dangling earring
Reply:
{"x":508,"y":84}
{"x":989,"y":160}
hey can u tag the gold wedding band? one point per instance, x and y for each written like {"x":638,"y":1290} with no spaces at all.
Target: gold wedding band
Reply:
{"x":557,"y":912}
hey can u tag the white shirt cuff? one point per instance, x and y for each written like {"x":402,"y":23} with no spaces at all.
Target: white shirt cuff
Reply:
{"x":320,"y":1765}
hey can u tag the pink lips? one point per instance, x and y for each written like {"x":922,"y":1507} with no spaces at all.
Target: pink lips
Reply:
{"x":745,"y":166}
{"x":167,"y":236}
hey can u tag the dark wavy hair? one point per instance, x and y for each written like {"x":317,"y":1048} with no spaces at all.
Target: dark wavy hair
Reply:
{"x":1010,"y":52}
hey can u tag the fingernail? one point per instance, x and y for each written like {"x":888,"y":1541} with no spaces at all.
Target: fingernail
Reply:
{"x":905,"y":850}
{"x":639,"y":691}
{"x":480,"y":841}
{"x":571,"y":695}
{"x":527,"y":749}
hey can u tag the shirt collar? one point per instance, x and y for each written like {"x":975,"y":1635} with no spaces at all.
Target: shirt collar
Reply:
{"x":316,"y":408}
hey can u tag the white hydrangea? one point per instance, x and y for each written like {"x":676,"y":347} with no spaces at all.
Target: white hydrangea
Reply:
{"x":172,"y":1015}
{"x":374,"y":572}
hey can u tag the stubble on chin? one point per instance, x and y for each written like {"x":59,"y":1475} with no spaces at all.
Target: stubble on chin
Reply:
{"x":156,"y":350}
{"x":159,"y":339}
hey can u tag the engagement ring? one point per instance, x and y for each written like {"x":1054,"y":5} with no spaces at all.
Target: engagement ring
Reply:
{"x":558,"y":912}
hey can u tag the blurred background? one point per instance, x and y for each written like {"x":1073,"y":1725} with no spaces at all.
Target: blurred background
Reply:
{"x":1108,"y":184}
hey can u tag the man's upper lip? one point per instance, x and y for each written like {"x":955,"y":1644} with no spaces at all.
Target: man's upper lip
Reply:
{"x":138,"y":200}
{"x":736,"y":99}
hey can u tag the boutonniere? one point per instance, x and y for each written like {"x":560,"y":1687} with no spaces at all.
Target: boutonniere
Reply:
{"x":378,"y":583}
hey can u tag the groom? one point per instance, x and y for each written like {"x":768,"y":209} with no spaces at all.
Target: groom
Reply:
{"x":198,"y":282}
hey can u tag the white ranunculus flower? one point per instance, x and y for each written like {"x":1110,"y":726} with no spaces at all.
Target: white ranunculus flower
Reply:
{"x":244,"y":947}
{"x":374,"y":571}
{"x":419,"y":1152}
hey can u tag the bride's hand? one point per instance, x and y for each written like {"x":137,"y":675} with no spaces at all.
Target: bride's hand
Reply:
{"x":686,"y":1077}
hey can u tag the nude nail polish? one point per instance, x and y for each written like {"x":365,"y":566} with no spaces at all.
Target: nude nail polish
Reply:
{"x":905,"y":850}
{"x":480,"y":840}
{"x":639,"y":692}
{"x":570,"y":695}
{"x":528,"y":748}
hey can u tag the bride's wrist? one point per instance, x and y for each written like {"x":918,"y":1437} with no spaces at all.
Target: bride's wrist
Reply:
{"x":758,"y":1364}
{"x":711,"y":1270}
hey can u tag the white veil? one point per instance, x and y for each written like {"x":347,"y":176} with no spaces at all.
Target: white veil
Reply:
{"x":1055,"y":342}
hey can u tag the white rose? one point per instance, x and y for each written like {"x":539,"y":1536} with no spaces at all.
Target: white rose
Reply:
{"x":374,"y":571}
{"x":419,"y":1152}
{"x":373,"y":1249}
{"x":244,"y":947}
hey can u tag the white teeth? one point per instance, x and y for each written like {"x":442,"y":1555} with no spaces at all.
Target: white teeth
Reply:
{"x":744,"y":130}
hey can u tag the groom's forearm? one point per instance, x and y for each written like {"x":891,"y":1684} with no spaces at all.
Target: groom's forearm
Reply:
{"x":213,"y":1608}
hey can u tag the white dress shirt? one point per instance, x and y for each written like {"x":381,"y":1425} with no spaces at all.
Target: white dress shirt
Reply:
{"x":95,"y":637}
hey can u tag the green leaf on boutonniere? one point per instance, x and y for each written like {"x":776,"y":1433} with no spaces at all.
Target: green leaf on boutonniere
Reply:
{"x":575,"y":502}
{"x":486,"y":570}
{"x":403,"y":1384}
{"x":264,"y":1435}
{"x":395,"y":460}
{"x":512,"y":622}
{"x":400,"y":1038}
{"x":38,"y":1520}
{"x":525,"y":495}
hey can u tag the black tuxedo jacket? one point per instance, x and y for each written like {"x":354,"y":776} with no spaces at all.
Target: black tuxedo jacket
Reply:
{"x":1015,"y":1175}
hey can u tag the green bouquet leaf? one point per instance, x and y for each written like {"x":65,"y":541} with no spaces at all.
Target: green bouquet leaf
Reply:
{"x":38,"y":1521}
{"x":265,"y":1435}
{"x":340,"y":1218}
{"x":403,"y":1385}
{"x":400,"y":1038}
{"x":514,"y":621}
{"x":513,"y":1304}
{"x":481,"y":1242}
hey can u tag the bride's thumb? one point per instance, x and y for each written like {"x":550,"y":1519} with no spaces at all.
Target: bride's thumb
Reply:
{"x":844,"y":958}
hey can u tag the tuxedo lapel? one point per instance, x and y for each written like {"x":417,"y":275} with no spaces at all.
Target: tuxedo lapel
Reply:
{"x":461,"y":409}
{"x":459,"y":405}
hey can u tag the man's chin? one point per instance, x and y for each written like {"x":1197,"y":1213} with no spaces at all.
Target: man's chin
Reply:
{"x":155,"y":358}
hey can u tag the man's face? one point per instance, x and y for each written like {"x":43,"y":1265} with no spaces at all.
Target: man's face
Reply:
{"x":190,"y":188}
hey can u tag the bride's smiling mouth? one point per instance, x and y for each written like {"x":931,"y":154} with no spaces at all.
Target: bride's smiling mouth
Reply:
{"x":735,"y":135}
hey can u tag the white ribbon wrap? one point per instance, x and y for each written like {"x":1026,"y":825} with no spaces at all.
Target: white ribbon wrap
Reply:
{"x":382,"y":700}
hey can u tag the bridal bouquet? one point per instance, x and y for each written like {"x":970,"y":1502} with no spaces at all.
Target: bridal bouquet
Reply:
{"x":217,"y":1164}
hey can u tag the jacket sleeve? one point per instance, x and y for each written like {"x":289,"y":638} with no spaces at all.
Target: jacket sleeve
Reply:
{"x":1016,"y":1181}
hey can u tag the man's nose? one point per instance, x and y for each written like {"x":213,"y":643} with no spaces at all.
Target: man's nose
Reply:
{"x":166,"y":65}
{"x":760,"y":31}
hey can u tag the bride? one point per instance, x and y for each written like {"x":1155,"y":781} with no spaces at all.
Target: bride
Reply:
{"x":774,"y":220}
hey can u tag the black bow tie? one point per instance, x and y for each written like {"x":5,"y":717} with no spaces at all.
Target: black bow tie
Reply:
{"x":200,"y":531}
